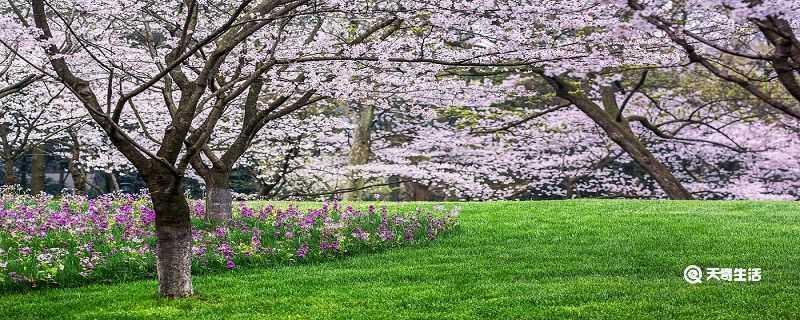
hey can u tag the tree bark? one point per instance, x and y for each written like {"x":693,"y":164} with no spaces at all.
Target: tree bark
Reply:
{"x":173,"y":233}
{"x":38,"y":164}
{"x":10,"y":175}
{"x":417,"y":191}
{"x":570,"y":187}
{"x":78,"y":178}
{"x":621,"y":134}
{"x":663,"y":176}
{"x":360,"y":148}
{"x":111,"y":182}
{"x":75,"y":168}
{"x":219,"y":198}
{"x":786,"y":54}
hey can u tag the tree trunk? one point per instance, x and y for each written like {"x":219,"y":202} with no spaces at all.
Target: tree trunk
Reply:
{"x":625,"y":138}
{"x":22,"y":179}
{"x":570,"y":187}
{"x":38,"y":164}
{"x":74,"y":166}
{"x":78,"y":179}
{"x":111,"y":182}
{"x":10,"y":178}
{"x":360,"y":148}
{"x":219,"y":199}
{"x":622,"y":135}
{"x":663,"y":176}
{"x":417,"y":191}
{"x":10,"y":175}
{"x":173,"y":233}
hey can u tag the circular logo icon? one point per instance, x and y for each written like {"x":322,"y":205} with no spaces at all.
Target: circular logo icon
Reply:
{"x":693,"y":274}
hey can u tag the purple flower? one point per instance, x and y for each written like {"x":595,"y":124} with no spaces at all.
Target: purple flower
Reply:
{"x":65,"y":207}
{"x":408,"y":234}
{"x":225,"y":250}
{"x":230,"y":265}
{"x":302,"y":252}
{"x":329,"y":246}
{"x":99,"y":220}
{"x":383,"y":230}
{"x":360,"y":234}
{"x":434,"y":226}
{"x":385,"y":234}
{"x":126,"y":209}
{"x":308,"y":220}
{"x":198,"y":251}
{"x":122,"y":219}
{"x":281,"y":218}
{"x":199,"y":209}
{"x":245,"y":211}
{"x":255,"y":240}
{"x":148,"y":216}
{"x":265,"y":212}
{"x":220,"y":232}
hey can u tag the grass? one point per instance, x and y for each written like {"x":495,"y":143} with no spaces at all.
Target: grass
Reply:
{"x":584,"y":259}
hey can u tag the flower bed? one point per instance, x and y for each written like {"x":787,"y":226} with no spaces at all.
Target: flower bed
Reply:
{"x":74,"y":240}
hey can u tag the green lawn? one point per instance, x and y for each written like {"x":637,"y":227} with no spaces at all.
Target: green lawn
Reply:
{"x":556,"y":259}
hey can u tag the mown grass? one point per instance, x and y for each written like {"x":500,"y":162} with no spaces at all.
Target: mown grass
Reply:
{"x":584,"y":259}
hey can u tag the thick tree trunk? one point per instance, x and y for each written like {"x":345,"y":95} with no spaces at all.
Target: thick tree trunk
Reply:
{"x":38,"y":163}
{"x":622,"y":135}
{"x":360,"y":148}
{"x":173,"y":233}
{"x":786,"y":54}
{"x":10,"y":175}
{"x":417,"y":191}
{"x":625,"y":138}
{"x":219,"y":199}
{"x":663,"y":176}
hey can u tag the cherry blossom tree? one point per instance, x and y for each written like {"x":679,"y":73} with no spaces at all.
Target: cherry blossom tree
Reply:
{"x":192,"y":55}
